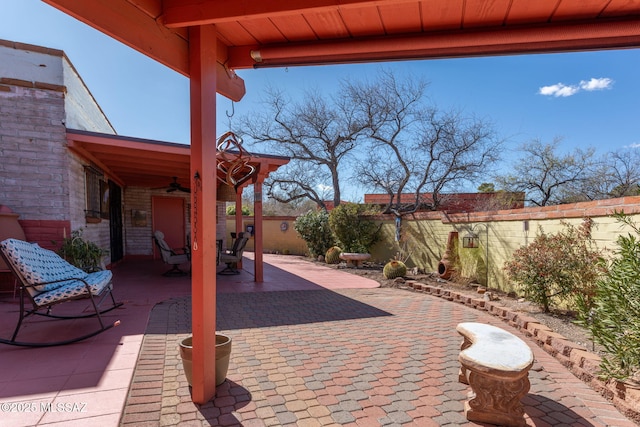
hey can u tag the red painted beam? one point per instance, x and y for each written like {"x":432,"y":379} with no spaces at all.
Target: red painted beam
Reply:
{"x":133,"y":26}
{"x":602,"y":34}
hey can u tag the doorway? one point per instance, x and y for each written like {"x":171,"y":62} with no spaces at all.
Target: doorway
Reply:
{"x":168,"y":216}
{"x":115,"y":222}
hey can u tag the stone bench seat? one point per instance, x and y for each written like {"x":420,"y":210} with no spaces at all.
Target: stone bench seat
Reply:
{"x":495,"y":363}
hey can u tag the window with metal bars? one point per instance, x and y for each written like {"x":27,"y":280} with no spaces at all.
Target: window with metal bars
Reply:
{"x":93,"y":176}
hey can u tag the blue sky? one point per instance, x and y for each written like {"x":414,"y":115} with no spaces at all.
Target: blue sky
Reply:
{"x":589,"y":99}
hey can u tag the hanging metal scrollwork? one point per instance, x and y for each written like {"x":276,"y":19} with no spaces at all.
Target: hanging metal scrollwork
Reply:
{"x":233,"y":161}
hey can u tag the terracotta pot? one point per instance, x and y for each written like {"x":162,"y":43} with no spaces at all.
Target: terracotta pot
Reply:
{"x":223,"y":354}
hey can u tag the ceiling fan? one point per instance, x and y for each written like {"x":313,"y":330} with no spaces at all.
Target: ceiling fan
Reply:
{"x":173,"y":186}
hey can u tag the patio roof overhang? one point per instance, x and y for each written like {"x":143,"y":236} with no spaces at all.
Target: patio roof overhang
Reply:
{"x":137,"y":162}
{"x":207,"y":39}
{"x":287,"y":33}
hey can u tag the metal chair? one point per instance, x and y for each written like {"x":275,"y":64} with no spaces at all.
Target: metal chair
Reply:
{"x":174,"y":257}
{"x":234,"y":256}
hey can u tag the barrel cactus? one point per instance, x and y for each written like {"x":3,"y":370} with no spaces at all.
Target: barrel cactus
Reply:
{"x":333,"y":255}
{"x":394,"y":269}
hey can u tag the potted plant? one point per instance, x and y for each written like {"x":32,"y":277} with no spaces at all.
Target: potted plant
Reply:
{"x":353,"y":231}
{"x":84,"y":254}
{"x":223,"y":354}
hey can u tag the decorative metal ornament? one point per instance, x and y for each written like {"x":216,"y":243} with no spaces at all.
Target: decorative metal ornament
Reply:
{"x":233,"y":161}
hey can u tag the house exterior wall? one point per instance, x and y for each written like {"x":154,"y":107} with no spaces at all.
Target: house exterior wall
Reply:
{"x":138,"y":237}
{"x":33,"y":171}
{"x":82,"y":112}
{"x":41,"y":96}
{"x":40,"y":180}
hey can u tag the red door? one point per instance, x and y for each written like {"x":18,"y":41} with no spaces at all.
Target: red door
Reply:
{"x":169,"y":217}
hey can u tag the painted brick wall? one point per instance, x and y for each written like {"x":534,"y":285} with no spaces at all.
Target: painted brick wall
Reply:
{"x":48,"y":234}
{"x":33,"y":171}
{"x":138,"y":240}
{"x":40,"y":94}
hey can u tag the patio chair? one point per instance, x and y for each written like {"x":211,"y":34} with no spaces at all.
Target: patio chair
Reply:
{"x":46,"y":280}
{"x":233,"y":257}
{"x":174,"y":257}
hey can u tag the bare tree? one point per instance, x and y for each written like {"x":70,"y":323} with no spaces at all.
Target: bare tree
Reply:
{"x":410,"y":145}
{"x":616,"y":175}
{"x":317,"y":133}
{"x":547,"y":177}
{"x":417,"y":149}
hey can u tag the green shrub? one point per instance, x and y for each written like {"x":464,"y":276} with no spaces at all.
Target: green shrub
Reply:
{"x":82,"y":253}
{"x":231,"y":210}
{"x":354,"y":233}
{"x":557,"y":268}
{"x":314,"y":229}
{"x":614,"y":316}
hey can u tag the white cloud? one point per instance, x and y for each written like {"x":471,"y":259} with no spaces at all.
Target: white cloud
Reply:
{"x":561,"y":90}
{"x":558,"y":90}
{"x":596,"y":84}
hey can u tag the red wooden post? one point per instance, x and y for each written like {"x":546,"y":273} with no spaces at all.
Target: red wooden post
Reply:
{"x":202,"y":56}
{"x":257,"y":216}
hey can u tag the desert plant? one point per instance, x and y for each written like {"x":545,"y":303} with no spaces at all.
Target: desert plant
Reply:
{"x":394,"y":269}
{"x":231,"y":210}
{"x":313,"y":227}
{"x":353,"y":231}
{"x":613,"y":317}
{"x":82,"y":253}
{"x":557,"y":267}
{"x":333,"y":255}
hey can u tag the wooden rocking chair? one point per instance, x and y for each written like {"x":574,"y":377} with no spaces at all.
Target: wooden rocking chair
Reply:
{"x":47,"y":280}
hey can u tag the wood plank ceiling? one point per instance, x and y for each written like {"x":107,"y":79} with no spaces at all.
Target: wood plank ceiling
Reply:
{"x":256,"y":33}
{"x":278,"y":33}
{"x":149,"y":164}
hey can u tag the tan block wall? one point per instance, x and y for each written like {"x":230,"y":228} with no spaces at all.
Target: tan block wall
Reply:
{"x":275,"y":240}
{"x":427,"y":234}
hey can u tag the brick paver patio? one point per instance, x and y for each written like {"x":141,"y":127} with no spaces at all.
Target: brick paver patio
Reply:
{"x":358,"y":357}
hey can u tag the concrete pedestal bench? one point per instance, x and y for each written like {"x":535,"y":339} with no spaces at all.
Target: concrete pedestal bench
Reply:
{"x":495,"y":363}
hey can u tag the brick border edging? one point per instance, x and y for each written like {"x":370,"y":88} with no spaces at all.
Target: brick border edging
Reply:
{"x":576,"y":358}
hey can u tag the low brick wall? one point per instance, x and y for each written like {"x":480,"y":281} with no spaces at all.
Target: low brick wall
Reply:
{"x":45,"y":233}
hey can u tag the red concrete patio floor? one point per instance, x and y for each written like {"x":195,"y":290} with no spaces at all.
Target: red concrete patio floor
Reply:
{"x":312,"y":346}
